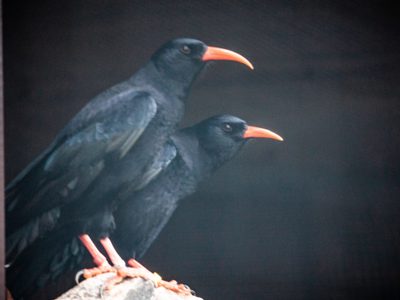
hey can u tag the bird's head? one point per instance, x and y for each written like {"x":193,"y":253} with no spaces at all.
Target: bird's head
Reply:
{"x":222,"y":136}
{"x":182,"y":59}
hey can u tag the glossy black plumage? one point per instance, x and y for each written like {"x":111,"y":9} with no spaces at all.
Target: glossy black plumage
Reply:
{"x":190,"y":156}
{"x":107,"y":150}
{"x":108,"y":144}
{"x":198,"y":152}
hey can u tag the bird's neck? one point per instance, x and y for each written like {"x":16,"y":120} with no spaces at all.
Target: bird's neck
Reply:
{"x":173,"y":85}
{"x":197,"y":160}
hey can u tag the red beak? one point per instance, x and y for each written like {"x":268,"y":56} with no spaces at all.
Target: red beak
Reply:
{"x":214,"y":53}
{"x":257,"y":132}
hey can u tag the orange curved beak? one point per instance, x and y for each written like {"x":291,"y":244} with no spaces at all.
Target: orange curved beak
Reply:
{"x":214,"y":53}
{"x":257,"y":132}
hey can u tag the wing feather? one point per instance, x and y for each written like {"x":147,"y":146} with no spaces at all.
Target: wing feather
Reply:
{"x":76,"y":157}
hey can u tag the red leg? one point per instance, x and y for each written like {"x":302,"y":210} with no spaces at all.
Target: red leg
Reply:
{"x":112,"y":253}
{"x":119,"y":262}
{"x":99,"y":259}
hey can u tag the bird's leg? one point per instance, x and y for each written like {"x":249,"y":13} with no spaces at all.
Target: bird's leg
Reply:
{"x":112,"y":253}
{"x":118,"y":262}
{"x":137,"y":270}
{"x":99,"y":259}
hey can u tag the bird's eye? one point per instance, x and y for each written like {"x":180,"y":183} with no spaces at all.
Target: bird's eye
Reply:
{"x":227,"y":127}
{"x":185,"y":49}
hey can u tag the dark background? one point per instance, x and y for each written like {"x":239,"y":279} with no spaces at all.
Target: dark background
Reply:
{"x":315,"y":217}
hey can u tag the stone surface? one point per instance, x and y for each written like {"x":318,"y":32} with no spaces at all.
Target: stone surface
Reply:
{"x":129,"y":289}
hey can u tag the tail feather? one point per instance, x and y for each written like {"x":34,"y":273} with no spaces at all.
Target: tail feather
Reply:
{"x":18,"y":241}
{"x":42,"y":263}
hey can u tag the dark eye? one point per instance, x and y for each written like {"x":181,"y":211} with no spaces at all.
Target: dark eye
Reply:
{"x":185,"y":49}
{"x":227,"y":127}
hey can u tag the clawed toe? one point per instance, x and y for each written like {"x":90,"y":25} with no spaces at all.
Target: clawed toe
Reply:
{"x":89,"y":273}
{"x":175,"y":287}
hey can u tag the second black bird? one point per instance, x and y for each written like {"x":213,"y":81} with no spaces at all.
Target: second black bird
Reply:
{"x":190,"y":156}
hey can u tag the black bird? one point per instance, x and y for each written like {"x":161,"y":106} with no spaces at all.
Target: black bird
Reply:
{"x":190,"y":156}
{"x":107,"y":146}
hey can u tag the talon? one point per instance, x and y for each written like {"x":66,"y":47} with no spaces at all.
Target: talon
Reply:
{"x":157,"y":277}
{"x":177,"y":288}
{"x":192,"y":292}
{"x":78,"y":276}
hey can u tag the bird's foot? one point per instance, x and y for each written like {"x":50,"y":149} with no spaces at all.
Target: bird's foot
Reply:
{"x":158,"y":281}
{"x":136,"y":270}
{"x":88,"y":273}
{"x":176,"y":287}
{"x":125,"y":272}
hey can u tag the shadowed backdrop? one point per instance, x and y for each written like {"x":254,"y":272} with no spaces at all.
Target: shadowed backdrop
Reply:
{"x":314,"y":217}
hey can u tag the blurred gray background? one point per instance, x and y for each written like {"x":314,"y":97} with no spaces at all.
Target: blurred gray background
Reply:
{"x":315,"y":217}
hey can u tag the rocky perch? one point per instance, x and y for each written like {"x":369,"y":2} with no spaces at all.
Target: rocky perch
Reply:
{"x":129,"y":289}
